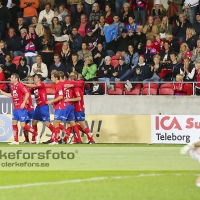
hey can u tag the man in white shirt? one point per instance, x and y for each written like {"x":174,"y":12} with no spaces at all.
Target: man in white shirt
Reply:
{"x":39,"y":67}
{"x":46,"y":15}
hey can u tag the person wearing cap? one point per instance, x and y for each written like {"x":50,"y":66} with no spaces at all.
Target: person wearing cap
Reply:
{"x":2,"y":78}
{"x":132,"y":26}
{"x":126,"y":13}
{"x":120,"y":26}
{"x":196,"y":25}
{"x":90,"y":39}
{"x":75,"y":41}
{"x":95,"y":14}
{"x":22,"y":69}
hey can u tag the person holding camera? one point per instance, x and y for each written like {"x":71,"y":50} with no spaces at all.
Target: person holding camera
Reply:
{"x":30,"y":10}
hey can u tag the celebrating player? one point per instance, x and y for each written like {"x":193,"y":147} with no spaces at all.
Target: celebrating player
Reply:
{"x":19,"y":95}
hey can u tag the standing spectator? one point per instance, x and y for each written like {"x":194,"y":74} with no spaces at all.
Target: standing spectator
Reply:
{"x":2,"y":78}
{"x":46,"y":15}
{"x":3,"y":52}
{"x":105,"y":71}
{"x":119,"y":5}
{"x":131,"y":26}
{"x":88,"y":6}
{"x":131,"y":57}
{"x":82,"y":26}
{"x":57,"y":65}
{"x":60,"y":2}
{"x":73,"y":5}
{"x":30,"y":10}
{"x":150,"y":29}
{"x":140,"y":11}
{"x":65,"y":53}
{"x":75,"y":65}
{"x":55,"y":27}
{"x":126,"y":13}
{"x":20,"y":24}
{"x":67,"y":26}
{"x":89,"y":69}
{"x":173,"y":10}
{"x":95,"y":14}
{"x":22,"y":69}
{"x":109,"y":14}
{"x":196,"y":25}
{"x":99,"y":54}
{"x":76,"y":17}
{"x":38,"y":27}
{"x":165,"y":27}
{"x":179,"y":4}
{"x":12,"y":6}
{"x":82,"y":54}
{"x":190,"y":38}
{"x":75,"y":41}
{"x":187,"y":70}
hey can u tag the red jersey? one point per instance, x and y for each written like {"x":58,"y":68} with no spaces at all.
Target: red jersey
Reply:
{"x":197,"y":79}
{"x":40,"y":94}
{"x":68,"y":92}
{"x":180,"y":88}
{"x":18,"y":91}
{"x":29,"y":105}
{"x":78,"y":105}
{"x":158,"y":45}
{"x":59,"y":105}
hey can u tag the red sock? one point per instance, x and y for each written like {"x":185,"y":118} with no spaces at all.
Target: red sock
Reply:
{"x":56,"y":133}
{"x":51,"y":127}
{"x":26,"y":136}
{"x":62,"y":127}
{"x":88,"y":133}
{"x":79,"y":127}
{"x":34,"y":127}
{"x":30,"y":129}
{"x":77,"y":134}
{"x":15,"y":132}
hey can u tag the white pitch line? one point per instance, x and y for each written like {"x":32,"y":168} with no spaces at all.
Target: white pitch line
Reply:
{"x":73,"y":181}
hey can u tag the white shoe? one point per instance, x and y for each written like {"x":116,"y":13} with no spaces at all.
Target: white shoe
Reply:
{"x":129,"y":84}
{"x":69,"y":140}
{"x":24,"y":142}
{"x":53,"y":143}
{"x":37,"y":139}
{"x":117,"y":80}
{"x":185,"y":150}
{"x":32,"y":142}
{"x":127,"y":87}
{"x":14,"y":143}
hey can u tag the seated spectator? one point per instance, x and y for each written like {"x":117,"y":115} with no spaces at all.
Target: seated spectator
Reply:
{"x":180,"y":87}
{"x":95,"y":14}
{"x":158,"y":44}
{"x":190,"y":38}
{"x":150,"y":29}
{"x":75,"y":41}
{"x":99,"y":54}
{"x":179,"y":29}
{"x":9,"y":67}
{"x":111,"y":3}
{"x":125,"y":14}
{"x":96,"y":88}
{"x":196,"y":25}
{"x":131,"y":57}
{"x":76,"y":17}
{"x":67,"y":26}
{"x":75,"y":65}
{"x":73,"y":6}
{"x":2,"y":78}
{"x":165,"y":27}
{"x":31,"y":44}
{"x":38,"y":27}
{"x":47,"y":39}
{"x":150,"y":52}
{"x":121,"y":72}
{"x":196,"y":52}
{"x":82,"y":54}
{"x":3,"y":52}
{"x":109,"y":14}
{"x":184,"y":52}
{"x":105,"y":71}
{"x":39,"y":68}
{"x":62,"y":13}
{"x":89,"y":69}
{"x":158,"y":12}
{"x":188,"y":71}
{"x":83,"y":25}
{"x":197,"y":86}
{"x":22,"y":69}
{"x":57,"y":65}
{"x":65,"y":53}
{"x":174,"y":45}
{"x":56,"y":14}
{"x":20,"y":25}
{"x":46,"y":15}
{"x":120,"y":26}
{"x":131,"y":26}
{"x":165,"y":53}
{"x":55,"y":27}
{"x":90,"y":39}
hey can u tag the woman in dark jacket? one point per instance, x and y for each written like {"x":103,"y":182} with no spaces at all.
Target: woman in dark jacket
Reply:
{"x":125,"y":14}
{"x":22,"y":70}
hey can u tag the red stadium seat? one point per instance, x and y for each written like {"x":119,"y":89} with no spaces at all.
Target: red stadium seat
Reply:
{"x":103,"y":85}
{"x":119,"y":85}
{"x":114,"y":63}
{"x":58,"y":47}
{"x":167,"y":85}
{"x":115,"y":57}
{"x":117,"y":91}
{"x":151,"y":91}
{"x":166,"y":91}
{"x":189,"y":88}
{"x":16,"y":61}
{"x":152,"y":85}
{"x":135,"y":91}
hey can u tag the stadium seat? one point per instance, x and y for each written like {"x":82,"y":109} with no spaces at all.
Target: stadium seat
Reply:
{"x":151,"y":91}
{"x":103,"y":85}
{"x":114,"y":63}
{"x":117,"y":91}
{"x":58,"y":47}
{"x":189,"y":88}
{"x":167,"y":85}
{"x":115,"y":57}
{"x":166,"y":91}
{"x":16,"y":61}
{"x":119,"y":85}
{"x":135,"y":91}
{"x":152,"y":85}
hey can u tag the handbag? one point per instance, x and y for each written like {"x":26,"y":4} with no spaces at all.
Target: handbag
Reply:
{"x":164,"y":72}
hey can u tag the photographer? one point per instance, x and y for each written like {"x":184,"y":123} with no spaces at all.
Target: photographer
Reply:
{"x":30,"y":10}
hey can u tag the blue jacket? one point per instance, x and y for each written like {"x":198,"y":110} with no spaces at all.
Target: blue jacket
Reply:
{"x":133,"y":61}
{"x":76,"y":44}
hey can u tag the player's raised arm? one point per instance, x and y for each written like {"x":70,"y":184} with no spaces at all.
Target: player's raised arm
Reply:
{"x":55,"y":100}
{"x":5,"y":93}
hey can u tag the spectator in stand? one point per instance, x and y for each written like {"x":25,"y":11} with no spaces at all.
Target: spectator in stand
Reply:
{"x":179,"y":4}
{"x":67,"y":26}
{"x":88,"y":6}
{"x":75,"y":41}
{"x":105,"y":71}
{"x":39,"y":67}
{"x":31,"y":44}
{"x":47,"y":38}
{"x":84,"y":52}
{"x":109,"y":14}
{"x":62,"y":13}
{"x":158,"y":44}
{"x":89,"y":69}
{"x":158,"y":12}
{"x":30,"y":10}
{"x":196,"y":52}
{"x":73,"y":5}
{"x":57,"y":65}
{"x":99,"y":54}
{"x":13,"y":42}
{"x":140,"y":11}
{"x":172,"y":11}
{"x":180,"y":87}
{"x":197,"y":86}
{"x":121,"y":73}
{"x":184,"y":52}
{"x":46,"y":15}
{"x":125,"y":14}
{"x":95,"y":14}
{"x":131,"y":57}
{"x":20,"y":25}
{"x":196,"y":25}
{"x":132,"y":26}
{"x":187,"y":70}
{"x":119,"y":5}
{"x":2,"y":78}
{"x":42,"y":4}
{"x":165,"y":27}
{"x":38,"y":27}
{"x":65,"y":53}
{"x":20,"y":52}
{"x":82,"y":26}
{"x":179,"y":29}
{"x":96,"y":88}
{"x":150,"y":29}
{"x":55,"y":27}
{"x":22,"y":69}
{"x":150,"y":52}
{"x":9,"y":67}
{"x":190,"y":38}
{"x":103,"y":3}
{"x":75,"y":65}
{"x":165,"y":53}
{"x":90,"y":39}
{"x":3,"y":52}
{"x":122,"y":42}
{"x":76,"y":17}
{"x":174,"y":45}
{"x":60,"y":2}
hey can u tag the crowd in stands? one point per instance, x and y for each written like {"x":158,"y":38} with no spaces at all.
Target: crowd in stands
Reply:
{"x":110,"y":41}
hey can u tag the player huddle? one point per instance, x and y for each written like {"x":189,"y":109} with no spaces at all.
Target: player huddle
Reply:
{"x":68,"y":105}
